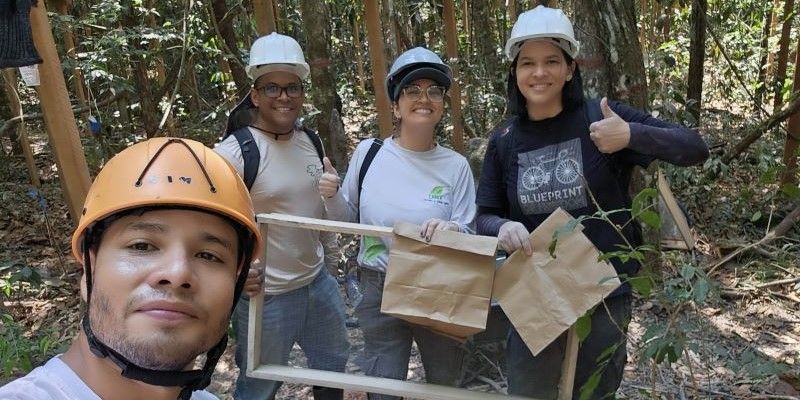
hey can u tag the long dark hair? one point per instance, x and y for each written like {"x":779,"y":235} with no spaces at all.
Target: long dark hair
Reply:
{"x":571,"y":95}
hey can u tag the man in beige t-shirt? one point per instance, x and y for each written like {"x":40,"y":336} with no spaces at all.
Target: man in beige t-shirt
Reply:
{"x":302,"y":303}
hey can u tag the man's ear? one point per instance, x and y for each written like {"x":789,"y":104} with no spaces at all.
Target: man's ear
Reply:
{"x":253,"y":96}
{"x":395,"y":111}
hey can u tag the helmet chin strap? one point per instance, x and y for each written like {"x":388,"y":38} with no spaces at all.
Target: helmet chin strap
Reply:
{"x":188,"y":381}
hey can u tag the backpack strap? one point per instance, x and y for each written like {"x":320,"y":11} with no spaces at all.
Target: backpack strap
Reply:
{"x":316,"y":141}
{"x":373,"y":150}
{"x":250,"y":154}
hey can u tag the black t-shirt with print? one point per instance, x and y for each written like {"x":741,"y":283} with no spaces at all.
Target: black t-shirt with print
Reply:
{"x":549,"y":163}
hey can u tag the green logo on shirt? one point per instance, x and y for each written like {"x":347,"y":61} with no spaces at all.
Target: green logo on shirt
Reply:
{"x":438,"y":192}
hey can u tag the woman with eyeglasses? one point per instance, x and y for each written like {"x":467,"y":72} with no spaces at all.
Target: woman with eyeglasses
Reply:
{"x":412,"y":179}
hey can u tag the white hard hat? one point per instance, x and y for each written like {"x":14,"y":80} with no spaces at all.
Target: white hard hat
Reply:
{"x":413,"y":64}
{"x":542,"y":23}
{"x":276,"y":52}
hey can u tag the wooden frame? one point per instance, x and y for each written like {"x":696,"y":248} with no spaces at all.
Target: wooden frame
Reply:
{"x":352,"y":382}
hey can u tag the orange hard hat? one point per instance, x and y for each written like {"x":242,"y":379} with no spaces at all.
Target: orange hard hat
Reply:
{"x":165,"y":172}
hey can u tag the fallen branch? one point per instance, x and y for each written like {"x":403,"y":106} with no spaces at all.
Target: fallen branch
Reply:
{"x":787,"y":223}
{"x":755,"y":132}
{"x":10,"y":123}
{"x":778,"y":282}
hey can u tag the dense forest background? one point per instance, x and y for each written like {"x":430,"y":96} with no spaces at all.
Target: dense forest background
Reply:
{"x":144,"y":68}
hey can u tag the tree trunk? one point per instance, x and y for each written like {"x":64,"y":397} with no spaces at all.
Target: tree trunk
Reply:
{"x":389,"y":29}
{"x":18,"y":135}
{"x":763,"y":64}
{"x":69,"y":49}
{"x":773,"y":26}
{"x":612,"y":65}
{"x":264,"y":14}
{"x":487,"y":42}
{"x":783,"y":52}
{"x":329,"y":124}
{"x":148,"y":106}
{"x":376,"y":55}
{"x":793,"y":128}
{"x":697,"y":55}
{"x":223,"y":19}
{"x":357,"y":49}
{"x":161,"y":71}
{"x":611,"y":57}
{"x":455,"y":88}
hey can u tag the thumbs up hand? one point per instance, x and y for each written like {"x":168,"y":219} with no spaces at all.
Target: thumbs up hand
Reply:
{"x":612,"y":133}
{"x":329,"y":180}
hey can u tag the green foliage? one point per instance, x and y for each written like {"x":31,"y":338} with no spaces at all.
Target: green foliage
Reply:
{"x":20,"y":353}
{"x":756,"y":366}
{"x":14,"y":275}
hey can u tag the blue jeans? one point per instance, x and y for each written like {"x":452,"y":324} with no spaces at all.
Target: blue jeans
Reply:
{"x":312,"y":316}
{"x":538,"y":376}
{"x":387,"y":342}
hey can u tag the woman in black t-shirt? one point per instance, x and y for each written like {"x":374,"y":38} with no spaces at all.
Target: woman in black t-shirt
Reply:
{"x":560,"y":150}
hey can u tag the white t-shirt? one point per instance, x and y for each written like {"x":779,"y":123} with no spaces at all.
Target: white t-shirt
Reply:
{"x":404,"y":185}
{"x":286,"y":183}
{"x":55,"y":380}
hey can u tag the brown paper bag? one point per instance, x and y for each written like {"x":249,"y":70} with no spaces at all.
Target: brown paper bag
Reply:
{"x":445,"y":285}
{"x":543,"y":296}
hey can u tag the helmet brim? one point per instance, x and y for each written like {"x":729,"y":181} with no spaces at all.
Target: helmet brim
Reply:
{"x":255,"y":72}
{"x":571,"y":47}
{"x":434,"y":74}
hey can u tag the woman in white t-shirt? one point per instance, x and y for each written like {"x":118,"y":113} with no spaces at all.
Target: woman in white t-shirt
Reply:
{"x":412,"y":179}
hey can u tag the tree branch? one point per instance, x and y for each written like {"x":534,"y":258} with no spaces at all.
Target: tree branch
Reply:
{"x":10,"y":123}
{"x":755,"y":132}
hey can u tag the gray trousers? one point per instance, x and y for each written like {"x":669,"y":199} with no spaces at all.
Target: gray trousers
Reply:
{"x":387,"y":342}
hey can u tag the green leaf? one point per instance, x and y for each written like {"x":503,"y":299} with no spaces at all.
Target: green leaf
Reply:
{"x":642,"y":200}
{"x":373,"y":248}
{"x":651,"y":218}
{"x":589,"y":387}
{"x":583,"y":326}
{"x":687,"y":272}
{"x":793,"y":191}
{"x":559,"y":232}
{"x":701,"y":289}
{"x":756,"y":216}
{"x":642,"y":285}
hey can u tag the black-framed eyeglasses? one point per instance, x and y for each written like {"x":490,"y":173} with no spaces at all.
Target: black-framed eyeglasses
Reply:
{"x":293,"y":90}
{"x":435,"y":93}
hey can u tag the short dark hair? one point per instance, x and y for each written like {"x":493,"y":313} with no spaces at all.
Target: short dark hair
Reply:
{"x":571,"y":94}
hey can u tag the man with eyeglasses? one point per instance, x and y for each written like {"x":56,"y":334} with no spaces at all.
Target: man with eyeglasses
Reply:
{"x":302,"y":303}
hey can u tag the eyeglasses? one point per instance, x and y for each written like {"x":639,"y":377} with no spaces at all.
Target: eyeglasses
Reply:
{"x":293,"y":90}
{"x":435,"y":93}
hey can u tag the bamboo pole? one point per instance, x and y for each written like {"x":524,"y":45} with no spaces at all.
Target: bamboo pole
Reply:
{"x":375,"y":43}
{"x":455,"y":88}
{"x":59,"y":120}
{"x":69,"y":47}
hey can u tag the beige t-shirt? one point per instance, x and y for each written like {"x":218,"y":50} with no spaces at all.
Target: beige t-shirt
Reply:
{"x":286,"y":183}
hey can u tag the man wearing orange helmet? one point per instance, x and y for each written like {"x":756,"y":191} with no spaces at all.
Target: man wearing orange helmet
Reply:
{"x":165,"y":238}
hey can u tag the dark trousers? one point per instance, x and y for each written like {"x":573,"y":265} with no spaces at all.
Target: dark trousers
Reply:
{"x":538,"y":376}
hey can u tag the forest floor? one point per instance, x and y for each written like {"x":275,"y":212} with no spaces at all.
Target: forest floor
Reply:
{"x":739,"y":344}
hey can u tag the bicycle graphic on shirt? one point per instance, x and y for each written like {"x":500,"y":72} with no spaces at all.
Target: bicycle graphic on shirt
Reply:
{"x":565,"y":172}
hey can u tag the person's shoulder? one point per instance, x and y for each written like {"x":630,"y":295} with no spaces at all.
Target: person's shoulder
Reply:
{"x":203,"y":395}
{"x":46,"y":383}
{"x":229,"y":148}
